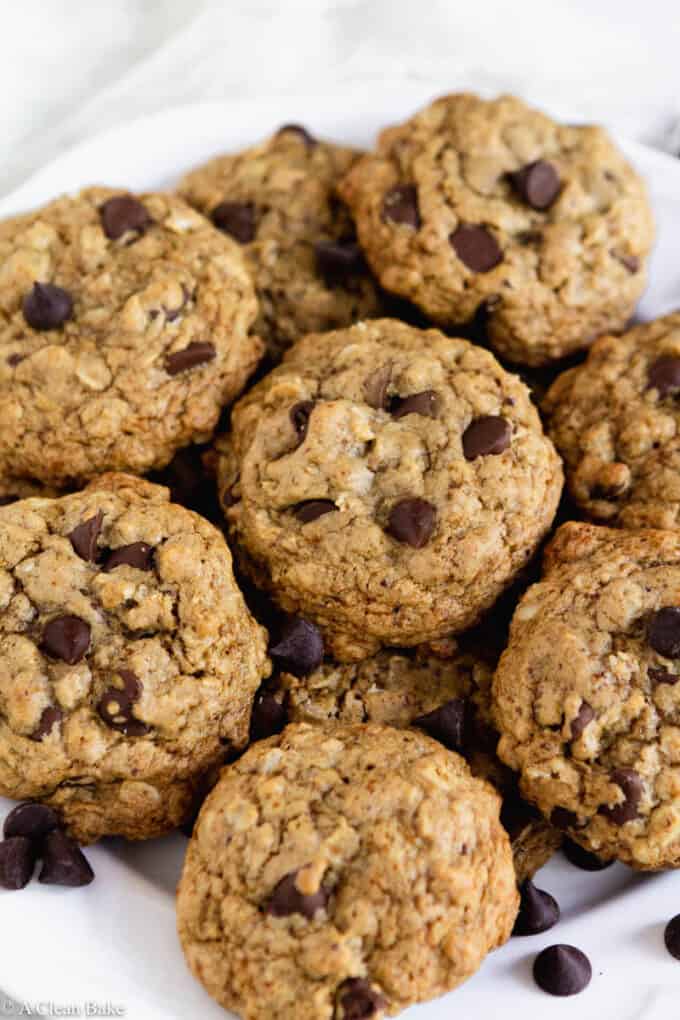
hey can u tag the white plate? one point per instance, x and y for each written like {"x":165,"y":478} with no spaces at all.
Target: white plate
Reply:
{"x":114,"y":942}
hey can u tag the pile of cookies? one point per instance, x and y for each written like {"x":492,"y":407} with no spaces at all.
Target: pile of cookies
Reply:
{"x":389,"y":727}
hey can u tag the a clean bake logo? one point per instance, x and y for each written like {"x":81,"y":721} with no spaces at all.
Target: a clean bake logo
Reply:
{"x":8,"y":1008}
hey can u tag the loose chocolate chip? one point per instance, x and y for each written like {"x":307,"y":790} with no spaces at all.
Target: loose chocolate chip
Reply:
{"x":336,"y":261}
{"x":299,"y":416}
{"x":476,"y":247}
{"x":115,"y":706}
{"x":630,"y":785}
{"x":197,"y":353}
{"x":400,"y":205}
{"x":47,"y":307}
{"x":122,"y":214}
{"x":137,"y":554}
{"x":582,"y":858}
{"x":299,"y":649}
{"x":17,"y":860}
{"x":561,"y":818}
{"x":236,"y":219}
{"x":48,"y":720}
{"x":537,"y":184}
{"x":538,"y":910}
{"x":63,"y":862}
{"x":671,"y":936}
{"x":375,"y":387}
{"x":31,"y":820}
{"x":425,"y":403}
{"x":286,"y":899}
{"x":297,"y":129}
{"x":358,"y":1001}
{"x":490,"y":434}
{"x":269,"y":715}
{"x":663,"y":632}
{"x":664,"y":375}
{"x":446,"y":724}
{"x":659,"y":675}
{"x":412,"y":522}
{"x":310,"y":509}
{"x":84,"y":537}
{"x":562,"y":970}
{"x":66,"y":637}
{"x":584,"y":716}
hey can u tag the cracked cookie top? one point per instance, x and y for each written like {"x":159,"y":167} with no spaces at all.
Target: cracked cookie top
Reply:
{"x":123,"y":331}
{"x":277,"y":199}
{"x":587,"y":697}
{"x":388,"y":483}
{"x":475,"y":206}
{"x":341,"y":867}
{"x":129,"y":658}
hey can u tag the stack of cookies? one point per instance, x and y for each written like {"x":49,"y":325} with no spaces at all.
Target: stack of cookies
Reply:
{"x":389,"y":728}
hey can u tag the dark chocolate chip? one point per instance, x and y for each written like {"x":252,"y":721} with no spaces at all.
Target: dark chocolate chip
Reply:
{"x":516,"y":814}
{"x":664,"y":375}
{"x":47,"y":307}
{"x":299,"y":416}
{"x":630,"y":784}
{"x":537,"y":184}
{"x":84,"y":537}
{"x":476,"y":247}
{"x":17,"y":861}
{"x":582,"y":858}
{"x":286,"y":899}
{"x":236,"y":219}
{"x":375,"y":387}
{"x":63,"y":862}
{"x":584,"y":716}
{"x":357,"y":1000}
{"x":115,"y":706}
{"x":197,"y":353}
{"x":311,"y":509}
{"x":663,"y":632}
{"x":338,"y":260}
{"x":671,"y":936}
{"x":400,"y":205}
{"x":412,"y":522}
{"x":446,"y":724}
{"x":132,"y":685}
{"x":562,"y":818}
{"x":137,"y":554}
{"x":299,"y":648}
{"x":31,"y":820}
{"x":302,"y":133}
{"x":121,"y":214}
{"x":538,"y":910}
{"x":490,"y":434}
{"x":659,"y":675}
{"x":269,"y":715}
{"x":562,"y":970}
{"x":426,"y":403}
{"x":66,"y":637}
{"x":48,"y":720}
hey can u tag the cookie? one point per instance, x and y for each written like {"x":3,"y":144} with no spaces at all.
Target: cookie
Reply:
{"x":586,"y":693}
{"x":387,"y":483}
{"x":123,"y":332}
{"x":344,"y":871}
{"x":277,"y":199}
{"x":615,"y":420}
{"x":129,"y":660}
{"x":487,"y":208}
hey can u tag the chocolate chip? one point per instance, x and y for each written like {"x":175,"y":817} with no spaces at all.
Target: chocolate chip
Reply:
{"x":412,"y":522}
{"x":562,"y":970}
{"x":311,"y":509}
{"x":48,"y":720}
{"x":671,"y":936}
{"x":137,"y":554}
{"x":269,"y":715}
{"x":582,"y":858}
{"x":659,"y":675}
{"x":561,"y":818}
{"x":236,"y":219}
{"x":8,"y":500}
{"x":299,"y":416}
{"x":63,"y":862}
{"x":538,"y":910}
{"x":47,"y":306}
{"x":17,"y":861}
{"x":122,"y":214}
{"x":297,"y":129}
{"x":663,"y":632}
{"x":489,"y":434}
{"x":584,"y":716}
{"x":31,"y":820}
{"x":286,"y":899}
{"x":629,"y":262}
{"x":336,"y":261}
{"x":537,"y":184}
{"x":66,"y":637}
{"x":84,"y":537}
{"x":197,"y":353}
{"x":375,"y":387}
{"x":115,"y":705}
{"x":630,"y":785}
{"x":357,"y":1000}
{"x":446,"y":724}
{"x":425,"y":403}
{"x":400,"y":205}
{"x":664,"y":375}
{"x":516,"y":814}
{"x":476,"y":247}
{"x":299,"y":649}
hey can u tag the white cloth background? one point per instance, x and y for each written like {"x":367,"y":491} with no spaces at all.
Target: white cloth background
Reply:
{"x":71,"y":68}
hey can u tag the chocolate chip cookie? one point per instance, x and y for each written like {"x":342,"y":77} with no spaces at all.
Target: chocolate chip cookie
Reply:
{"x":129,"y":659}
{"x":123,"y":331}
{"x":387,"y":483}
{"x":586,"y":694}
{"x":278,"y":200}
{"x":344,"y":871}
{"x":474,"y":207}
{"x":616,"y":421}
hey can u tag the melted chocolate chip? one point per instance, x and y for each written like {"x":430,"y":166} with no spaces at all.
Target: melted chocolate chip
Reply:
{"x":63,"y":862}
{"x":584,"y":716}
{"x":197,"y":353}
{"x":671,"y":936}
{"x":630,"y":784}
{"x":357,"y":1000}
{"x":299,"y":649}
{"x":446,"y":724}
{"x":238,"y":219}
{"x":17,"y":861}
{"x":582,"y":858}
{"x":269,"y":715}
{"x":299,"y":416}
{"x":659,"y":675}
{"x":425,"y":403}
{"x":375,"y":387}
{"x":562,"y":970}
{"x":400,"y":205}
{"x":67,"y":638}
{"x":412,"y":522}
{"x":476,"y":247}
{"x":286,"y":899}
{"x":311,"y":509}
{"x":337,"y":261}
{"x":47,"y":306}
{"x":663,"y":632}
{"x":137,"y":554}
{"x":31,"y":820}
{"x":84,"y":537}
{"x":302,"y":133}
{"x":538,"y":910}
{"x":48,"y":720}
{"x":122,"y":214}
{"x":115,"y":706}
{"x":664,"y":375}
{"x":537,"y":184}
{"x":490,"y":434}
